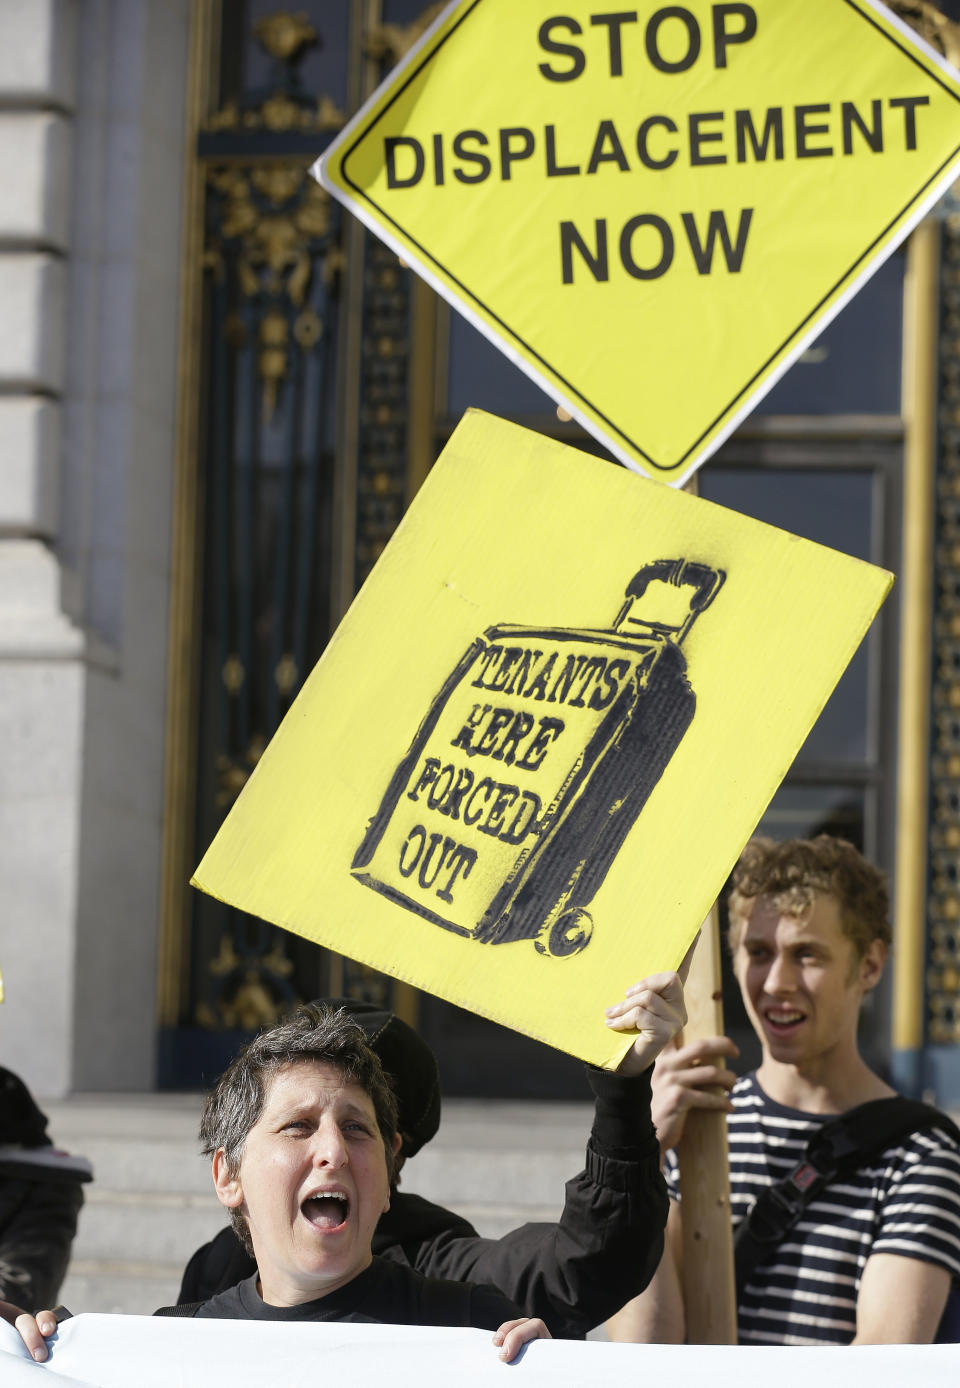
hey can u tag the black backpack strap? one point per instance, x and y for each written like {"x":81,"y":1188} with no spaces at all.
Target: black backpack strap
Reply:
{"x":869,"y":1129}
{"x":841,"y":1145}
{"x":445,"y":1303}
{"x":184,"y":1308}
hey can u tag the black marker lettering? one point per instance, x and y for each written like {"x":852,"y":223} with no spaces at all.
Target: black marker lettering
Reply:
{"x":614,"y":23}
{"x":555,"y":170}
{"x":488,"y":658}
{"x":502,"y":801}
{"x":909,"y":105}
{"x":428,"y":775}
{"x":441,"y":787}
{"x":537,"y":688}
{"x":612,"y":676}
{"x":462,"y":858}
{"x":643,"y":149}
{"x":646,"y":272}
{"x":607,"y":133}
{"x":772,"y":130}
{"x":550,"y":730}
{"x":571,"y":668}
{"x":471,"y":156}
{"x":424,"y":877}
{"x":408,"y":861}
{"x":509,"y":155}
{"x":873,"y":135}
{"x":591,"y":670}
{"x":699,"y":137}
{"x":509,"y":657}
{"x":717,"y":228}
{"x":566,"y":50}
{"x":499,"y":719}
{"x":521,"y":673}
{"x":652,"y":39}
{"x":458,"y":791}
{"x":390,"y":145}
{"x":595,"y":260}
{"x":486,"y":787}
{"x":464,"y":737}
{"x":524,"y":821}
{"x":804,"y":130}
{"x":507,"y":751}
{"x":724,"y":38}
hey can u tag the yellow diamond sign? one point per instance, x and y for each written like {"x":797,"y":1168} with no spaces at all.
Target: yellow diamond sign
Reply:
{"x":652,"y":211}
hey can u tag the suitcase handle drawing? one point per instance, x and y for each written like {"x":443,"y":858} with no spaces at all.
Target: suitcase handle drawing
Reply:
{"x":662,"y":580}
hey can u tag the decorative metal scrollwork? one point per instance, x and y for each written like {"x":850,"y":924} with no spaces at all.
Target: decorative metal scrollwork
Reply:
{"x":286,"y":106}
{"x":255,"y":988}
{"x":272,"y":229}
{"x":387,"y":43}
{"x":943,"y":972}
{"x":273,"y":255}
{"x":382,"y":462}
{"x":941,"y":33}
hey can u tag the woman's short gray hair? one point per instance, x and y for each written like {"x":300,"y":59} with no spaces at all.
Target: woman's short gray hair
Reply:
{"x":312,"y":1033}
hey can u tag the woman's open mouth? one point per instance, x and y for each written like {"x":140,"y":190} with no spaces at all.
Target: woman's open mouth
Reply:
{"x":327,"y":1210}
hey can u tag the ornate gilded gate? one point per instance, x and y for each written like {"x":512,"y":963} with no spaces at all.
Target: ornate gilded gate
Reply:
{"x":312,"y":432}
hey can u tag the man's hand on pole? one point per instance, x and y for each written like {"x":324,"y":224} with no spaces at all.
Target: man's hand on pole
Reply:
{"x":688,"y":1077}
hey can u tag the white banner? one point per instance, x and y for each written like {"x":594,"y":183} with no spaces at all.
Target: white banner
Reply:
{"x":123,"y":1351}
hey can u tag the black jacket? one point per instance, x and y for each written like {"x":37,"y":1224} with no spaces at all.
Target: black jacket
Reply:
{"x":574,"y":1274}
{"x":40,"y":1198}
{"x":385,"y":1293}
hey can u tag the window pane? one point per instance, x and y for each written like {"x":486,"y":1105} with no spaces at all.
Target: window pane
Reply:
{"x":830,"y":507}
{"x":854,"y":365}
{"x":480,"y":375}
{"x":800,"y":812}
{"x":833,"y":508}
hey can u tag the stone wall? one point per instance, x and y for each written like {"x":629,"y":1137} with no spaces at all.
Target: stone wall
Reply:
{"x":92,"y":149}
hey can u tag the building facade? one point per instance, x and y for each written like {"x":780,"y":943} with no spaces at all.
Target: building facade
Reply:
{"x":217,"y":396}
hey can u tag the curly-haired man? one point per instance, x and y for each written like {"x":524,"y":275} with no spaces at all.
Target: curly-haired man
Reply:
{"x":875,"y":1251}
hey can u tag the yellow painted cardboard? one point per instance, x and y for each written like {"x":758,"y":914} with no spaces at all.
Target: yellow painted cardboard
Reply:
{"x":653,"y":211}
{"x":529,"y":756}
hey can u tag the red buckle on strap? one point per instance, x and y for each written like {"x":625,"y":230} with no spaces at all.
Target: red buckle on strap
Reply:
{"x":804,"y":1177}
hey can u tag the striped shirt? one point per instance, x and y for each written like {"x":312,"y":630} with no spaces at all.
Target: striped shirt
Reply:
{"x":905,"y":1201}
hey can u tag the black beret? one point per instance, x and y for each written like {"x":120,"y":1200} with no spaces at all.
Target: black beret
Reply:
{"x":410,"y":1065}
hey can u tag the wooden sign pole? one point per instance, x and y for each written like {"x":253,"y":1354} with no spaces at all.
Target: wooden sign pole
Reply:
{"x":709,"y":1290}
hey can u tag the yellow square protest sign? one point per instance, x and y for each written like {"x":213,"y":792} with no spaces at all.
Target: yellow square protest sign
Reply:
{"x":523,"y":767}
{"x":653,"y":210}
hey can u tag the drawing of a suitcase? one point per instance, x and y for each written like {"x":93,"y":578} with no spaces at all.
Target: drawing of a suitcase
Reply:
{"x":532,"y":765}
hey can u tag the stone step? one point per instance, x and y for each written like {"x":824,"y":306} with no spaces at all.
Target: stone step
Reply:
{"x":117,"y":1225}
{"x":119,"y":1289}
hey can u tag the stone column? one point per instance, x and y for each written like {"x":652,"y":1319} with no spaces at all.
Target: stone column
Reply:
{"x":41,"y":650}
{"x":92,"y":147}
